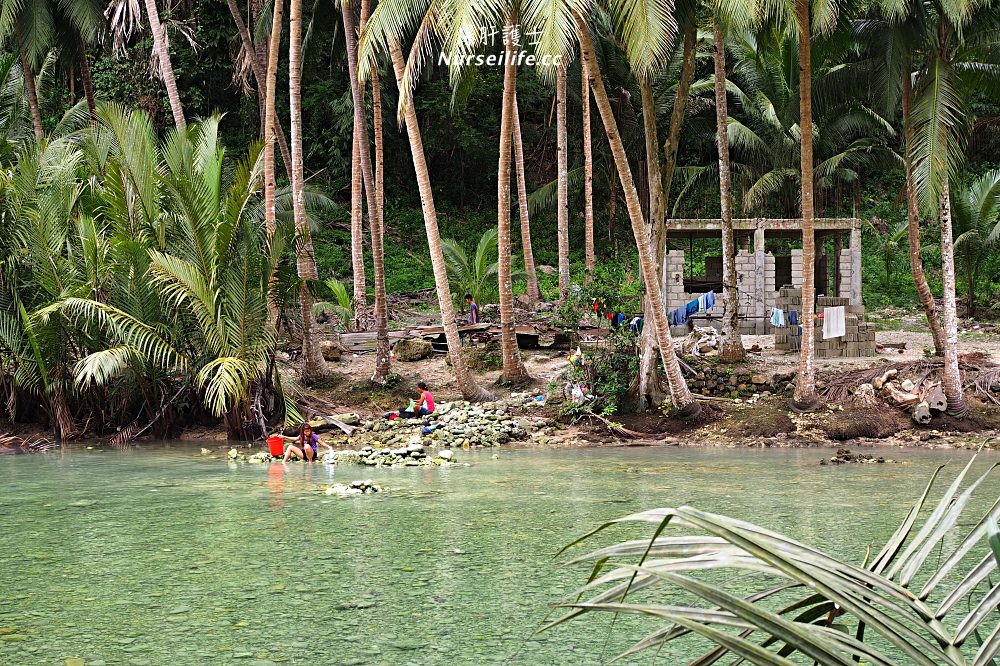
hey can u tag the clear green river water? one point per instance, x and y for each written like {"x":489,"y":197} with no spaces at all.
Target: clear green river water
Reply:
{"x":162,"y":556}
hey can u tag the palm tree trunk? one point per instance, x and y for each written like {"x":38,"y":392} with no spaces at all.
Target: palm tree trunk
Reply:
{"x":952,"y":379}
{"x":379,"y":149}
{"x":588,"y":175}
{"x":358,"y":236}
{"x":680,"y":395}
{"x":804,"y":397}
{"x":732,"y":342}
{"x":382,"y":354}
{"x":649,"y":388}
{"x":680,"y":106}
{"x":162,"y":51}
{"x":314,"y":367}
{"x":513,"y":369}
{"x":532,"y":290}
{"x":88,"y":82}
{"x":562,"y":193}
{"x":913,"y":224}
{"x":259,"y":76}
{"x":29,"y":85}
{"x":463,"y":376}
{"x":270,"y":122}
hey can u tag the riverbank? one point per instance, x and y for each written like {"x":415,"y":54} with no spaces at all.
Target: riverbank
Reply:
{"x":759,"y":417}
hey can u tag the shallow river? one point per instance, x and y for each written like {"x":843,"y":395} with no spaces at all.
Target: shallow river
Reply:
{"x":162,"y":556}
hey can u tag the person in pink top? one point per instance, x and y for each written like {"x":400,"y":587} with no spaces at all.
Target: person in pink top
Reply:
{"x":425,"y":405}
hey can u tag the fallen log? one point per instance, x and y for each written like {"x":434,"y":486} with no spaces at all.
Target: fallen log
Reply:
{"x":879,"y":382}
{"x":901,"y":398}
{"x":922,"y":413}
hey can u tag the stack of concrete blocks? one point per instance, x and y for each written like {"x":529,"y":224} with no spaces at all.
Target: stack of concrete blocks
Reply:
{"x":676,"y":296}
{"x":797,"y":269}
{"x":858,"y":340}
{"x":845,"y":273}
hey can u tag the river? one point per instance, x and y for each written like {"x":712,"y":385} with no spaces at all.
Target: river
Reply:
{"x":160,"y":555}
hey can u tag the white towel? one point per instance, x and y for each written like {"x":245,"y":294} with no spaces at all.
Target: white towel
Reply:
{"x":833,"y":322}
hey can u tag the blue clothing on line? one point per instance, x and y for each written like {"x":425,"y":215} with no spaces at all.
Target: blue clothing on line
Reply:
{"x":710,"y":300}
{"x":793,"y":318}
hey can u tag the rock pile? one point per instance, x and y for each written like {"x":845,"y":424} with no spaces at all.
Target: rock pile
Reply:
{"x":845,"y":456}
{"x":724,"y":381}
{"x":458,"y":424}
{"x":356,"y":488}
{"x":411,"y":455}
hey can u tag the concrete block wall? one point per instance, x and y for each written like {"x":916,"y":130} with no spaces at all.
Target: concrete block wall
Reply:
{"x":675,"y":280}
{"x":797,"y":269}
{"x":844,"y":288}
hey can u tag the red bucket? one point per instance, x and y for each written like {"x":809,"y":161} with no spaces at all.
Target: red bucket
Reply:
{"x":276,"y":446}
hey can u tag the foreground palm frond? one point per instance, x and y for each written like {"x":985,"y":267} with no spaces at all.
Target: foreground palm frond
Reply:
{"x":795,"y":601}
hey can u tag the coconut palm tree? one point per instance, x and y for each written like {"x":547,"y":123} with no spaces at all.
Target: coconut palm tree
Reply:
{"x":260,"y":75}
{"x":649,"y":391}
{"x":590,"y":260}
{"x":40,"y":25}
{"x":732,"y":342}
{"x":314,"y":365}
{"x":562,"y":176}
{"x":804,"y":397}
{"x":271,"y":117}
{"x":382,"y":353}
{"x":958,"y":58}
{"x":532,"y":291}
{"x":513,"y":372}
{"x":976,"y":208}
{"x":463,"y":375}
{"x":161,"y":48}
{"x":680,"y":395}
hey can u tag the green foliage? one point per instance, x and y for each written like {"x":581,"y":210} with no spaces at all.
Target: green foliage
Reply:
{"x":341,"y":306}
{"x":476,"y":275}
{"x":924,"y":598}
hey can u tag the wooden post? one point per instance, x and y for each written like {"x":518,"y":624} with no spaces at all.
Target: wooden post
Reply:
{"x":856,"y":262}
{"x":760,"y":276}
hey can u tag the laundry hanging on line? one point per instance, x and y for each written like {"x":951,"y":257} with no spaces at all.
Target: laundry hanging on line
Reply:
{"x":777,"y":317}
{"x":834,"y":325}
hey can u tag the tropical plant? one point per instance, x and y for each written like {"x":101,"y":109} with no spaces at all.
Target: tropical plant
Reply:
{"x":976,"y":207}
{"x":890,"y":240}
{"x":476,"y":275}
{"x":925,"y":598}
{"x":341,"y":306}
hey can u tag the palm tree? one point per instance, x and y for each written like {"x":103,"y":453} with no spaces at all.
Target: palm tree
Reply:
{"x":805,"y":397}
{"x":314,"y":365}
{"x":648,"y":384}
{"x":260,"y":76}
{"x":732,"y":342}
{"x":382,"y":353}
{"x":562,"y":175}
{"x":680,"y":395}
{"x":463,"y":376}
{"x":913,"y":218}
{"x":954,"y":42}
{"x":38,"y":26}
{"x":162,"y":50}
{"x":588,"y":174}
{"x":271,"y":118}
{"x":532,"y":291}
{"x":977,"y":227}
{"x":513,"y":369}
